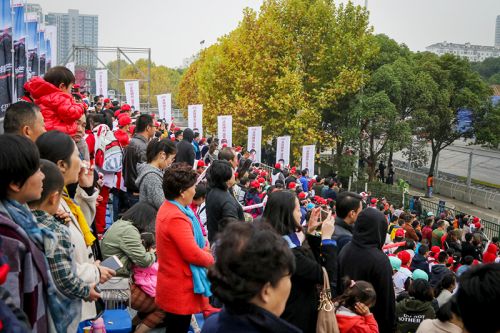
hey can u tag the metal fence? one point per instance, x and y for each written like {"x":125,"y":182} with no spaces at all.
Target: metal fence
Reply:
{"x":491,"y":229}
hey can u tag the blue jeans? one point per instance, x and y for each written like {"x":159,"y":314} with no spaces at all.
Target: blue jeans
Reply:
{"x":132,"y":198}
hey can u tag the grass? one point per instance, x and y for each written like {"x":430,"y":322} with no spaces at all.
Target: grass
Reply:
{"x":480,"y":182}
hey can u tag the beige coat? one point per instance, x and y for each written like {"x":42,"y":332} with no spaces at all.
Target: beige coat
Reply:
{"x":85,"y":267}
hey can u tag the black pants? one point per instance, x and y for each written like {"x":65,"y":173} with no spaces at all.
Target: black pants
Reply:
{"x":177,"y":323}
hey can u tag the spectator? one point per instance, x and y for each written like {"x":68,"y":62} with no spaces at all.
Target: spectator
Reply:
{"x":277,"y":174}
{"x":448,"y":320}
{"x":198,"y":205}
{"x":160,"y":154}
{"x":366,"y":246}
{"x":407,"y":227}
{"x":220,"y":203}
{"x":439,"y":270}
{"x":438,"y":233}
{"x":411,"y":311}
{"x":252,"y":197}
{"x":22,"y":181}
{"x":53,"y":95}
{"x":123,"y":239}
{"x":404,"y":272}
{"x":135,"y":153}
{"x":227,"y":154}
{"x":330,"y":193}
{"x":452,"y":241}
{"x":185,"y":149}
{"x":252,"y":278}
{"x":445,"y":288}
{"x":348,"y":207}
{"x":420,"y":259}
{"x":70,"y":290}
{"x":183,"y":253}
{"x":25,"y":119}
{"x":477,"y":298}
{"x":467,"y":264}
{"x":304,"y":180}
{"x":491,"y":254}
{"x":282,"y":212}
{"x":469,"y":248}
{"x":59,"y":148}
{"x":353,"y":312}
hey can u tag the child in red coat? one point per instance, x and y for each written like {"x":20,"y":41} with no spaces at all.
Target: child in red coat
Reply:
{"x":53,"y":95}
{"x":353,"y":312}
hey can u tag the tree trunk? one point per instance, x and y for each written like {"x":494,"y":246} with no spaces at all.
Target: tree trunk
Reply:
{"x":372,"y":163}
{"x":433,"y":161}
{"x":391,"y":152}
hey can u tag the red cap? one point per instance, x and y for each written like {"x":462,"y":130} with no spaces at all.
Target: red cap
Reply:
{"x":255,"y":184}
{"x":124,"y":120}
{"x":126,"y":107}
{"x":373,"y":201}
{"x":263,"y":174}
{"x":106,"y":100}
{"x":261,"y":180}
{"x":400,"y":232}
{"x":117,"y":113}
{"x":302,"y":195}
{"x":292,"y":185}
{"x":202,"y":141}
{"x":450,"y":260}
{"x":405,"y":257}
{"x":238,"y":149}
{"x":76,"y":86}
{"x":475,"y":219}
{"x":435,"y":249}
{"x":277,"y":166}
{"x":477,"y":225}
{"x":224,"y":145}
{"x":293,"y":170}
{"x":157,"y":124}
{"x":201,"y":164}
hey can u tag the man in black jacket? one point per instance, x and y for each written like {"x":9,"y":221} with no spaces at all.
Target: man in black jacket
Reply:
{"x":363,"y":259}
{"x":185,"y":149}
{"x":135,"y":153}
{"x":348,"y":208}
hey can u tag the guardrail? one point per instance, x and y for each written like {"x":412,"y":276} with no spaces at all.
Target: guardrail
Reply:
{"x":491,"y":229}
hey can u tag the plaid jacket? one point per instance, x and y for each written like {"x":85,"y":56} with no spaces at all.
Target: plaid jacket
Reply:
{"x":62,"y":266}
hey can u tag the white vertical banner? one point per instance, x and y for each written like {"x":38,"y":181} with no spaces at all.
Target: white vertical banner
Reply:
{"x":283,"y":149}
{"x":308,"y":153}
{"x":51,"y":34}
{"x":71,"y":67}
{"x":225,"y":130}
{"x":254,"y":142}
{"x":132,"y":94}
{"x":195,"y":118}
{"x":101,"y":82}
{"x":165,"y":106}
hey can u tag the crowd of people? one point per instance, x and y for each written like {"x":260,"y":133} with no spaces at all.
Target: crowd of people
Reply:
{"x":199,"y":227}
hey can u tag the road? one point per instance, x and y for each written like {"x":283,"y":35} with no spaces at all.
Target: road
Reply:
{"x":455,"y":159}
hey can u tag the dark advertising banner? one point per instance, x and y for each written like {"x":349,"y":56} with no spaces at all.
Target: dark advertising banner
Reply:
{"x":5,"y":56}
{"x":19,"y":51}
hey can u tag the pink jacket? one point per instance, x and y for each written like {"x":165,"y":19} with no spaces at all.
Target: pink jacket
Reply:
{"x":145,"y":278}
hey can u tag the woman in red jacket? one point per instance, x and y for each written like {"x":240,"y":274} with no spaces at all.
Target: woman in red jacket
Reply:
{"x":183,"y":254}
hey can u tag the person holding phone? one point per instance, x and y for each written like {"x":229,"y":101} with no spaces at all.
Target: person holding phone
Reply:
{"x":282,"y":212}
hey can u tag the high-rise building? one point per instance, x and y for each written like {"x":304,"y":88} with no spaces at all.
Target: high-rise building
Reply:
{"x":497,"y":32}
{"x":74,"y":29}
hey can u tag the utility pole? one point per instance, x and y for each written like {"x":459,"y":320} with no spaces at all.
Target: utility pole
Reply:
{"x":469,"y":170}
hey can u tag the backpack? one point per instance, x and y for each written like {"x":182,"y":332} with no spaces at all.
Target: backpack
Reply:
{"x":108,"y":151}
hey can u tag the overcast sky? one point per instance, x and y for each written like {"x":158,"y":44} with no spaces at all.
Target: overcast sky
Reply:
{"x":173,"y":29}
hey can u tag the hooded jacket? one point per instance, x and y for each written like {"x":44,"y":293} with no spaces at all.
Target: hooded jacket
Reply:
{"x":59,"y":110}
{"x":491,"y":254}
{"x":410,"y":312}
{"x":437,"y":273}
{"x":185,"y":149}
{"x":420,"y":262}
{"x":363,"y":259}
{"x":350,"y":322}
{"x":150,"y":184}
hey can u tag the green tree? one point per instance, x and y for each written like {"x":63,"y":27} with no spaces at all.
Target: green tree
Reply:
{"x":450,"y":85}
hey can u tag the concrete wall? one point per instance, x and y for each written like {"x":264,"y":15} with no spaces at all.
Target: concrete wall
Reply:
{"x":479,"y":197}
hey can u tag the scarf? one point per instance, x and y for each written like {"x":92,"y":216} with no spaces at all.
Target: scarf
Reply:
{"x":80,"y":218}
{"x":45,"y":240}
{"x":200,"y":280}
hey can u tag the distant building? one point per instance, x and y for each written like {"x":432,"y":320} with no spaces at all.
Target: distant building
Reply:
{"x":474,"y":53}
{"x":74,"y":29}
{"x":497,"y":32}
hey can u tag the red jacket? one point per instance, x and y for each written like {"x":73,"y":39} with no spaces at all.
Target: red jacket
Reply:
{"x":122,"y":137}
{"x":59,"y":110}
{"x":350,"y":322}
{"x":177,"y":249}
{"x":427,"y":234}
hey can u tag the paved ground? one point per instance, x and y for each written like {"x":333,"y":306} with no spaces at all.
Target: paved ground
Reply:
{"x":455,"y":159}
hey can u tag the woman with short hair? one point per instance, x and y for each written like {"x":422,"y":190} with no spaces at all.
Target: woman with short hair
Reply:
{"x":183,"y":254}
{"x":252,"y":278}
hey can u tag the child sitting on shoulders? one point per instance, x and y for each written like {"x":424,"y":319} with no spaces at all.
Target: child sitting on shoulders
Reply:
{"x":353,"y":311}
